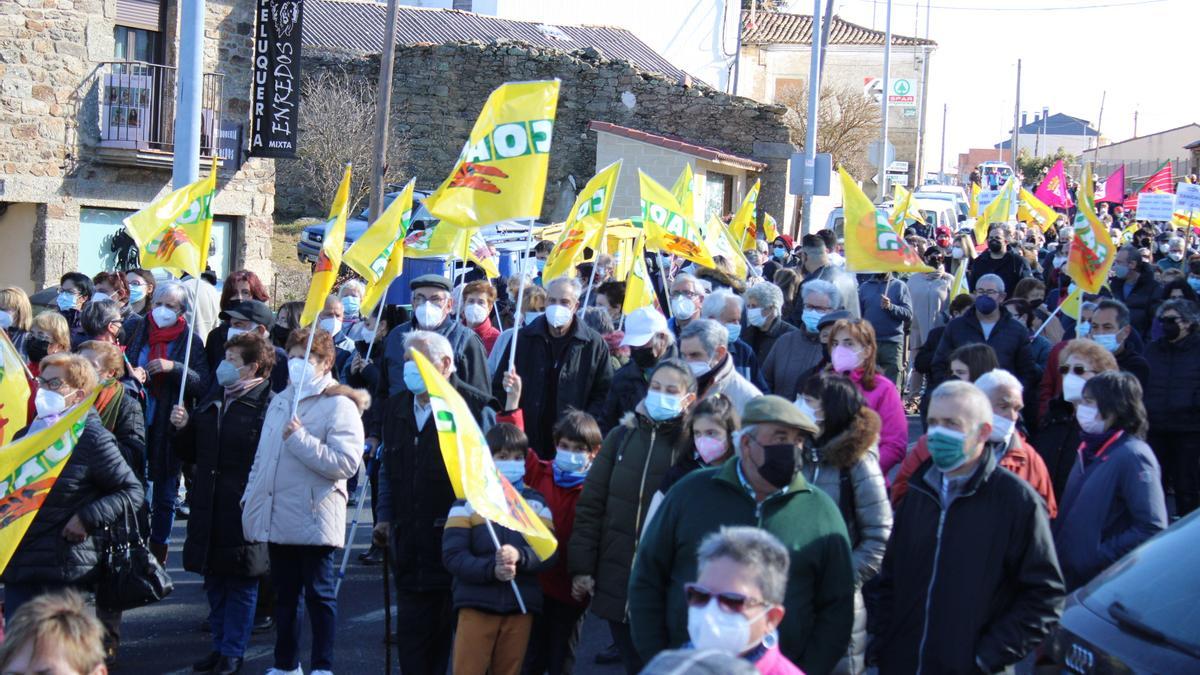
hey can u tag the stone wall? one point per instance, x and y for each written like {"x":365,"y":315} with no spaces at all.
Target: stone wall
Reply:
{"x":439,"y":90}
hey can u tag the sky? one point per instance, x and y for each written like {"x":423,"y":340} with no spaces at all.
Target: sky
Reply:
{"x":1137,"y":52}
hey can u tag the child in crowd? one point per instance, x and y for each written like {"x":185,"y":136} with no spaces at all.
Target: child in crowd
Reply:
{"x":492,"y":631}
{"x":54,"y":633}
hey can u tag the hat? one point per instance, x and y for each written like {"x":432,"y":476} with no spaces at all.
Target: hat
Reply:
{"x":642,"y":324}
{"x":777,"y":410}
{"x":787,"y":241}
{"x":430,"y":280}
{"x":249,"y":310}
{"x":836,"y":315}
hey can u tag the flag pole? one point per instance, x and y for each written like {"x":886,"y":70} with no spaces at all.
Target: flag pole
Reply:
{"x":359,"y":498}
{"x":1057,"y":309}
{"x":312,"y":331}
{"x":662,"y":273}
{"x":518,"y":314}
{"x":378,"y":318}
{"x":187,"y":351}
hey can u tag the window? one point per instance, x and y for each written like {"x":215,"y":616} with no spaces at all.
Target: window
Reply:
{"x":103,"y":246}
{"x":718,"y":195}
{"x":135,"y":44}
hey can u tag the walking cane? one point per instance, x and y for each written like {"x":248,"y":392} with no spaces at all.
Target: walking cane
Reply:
{"x":354,"y":523}
{"x":387,"y":614}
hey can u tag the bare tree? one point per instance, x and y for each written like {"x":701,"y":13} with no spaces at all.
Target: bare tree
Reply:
{"x":337,"y":126}
{"x":847,"y":122}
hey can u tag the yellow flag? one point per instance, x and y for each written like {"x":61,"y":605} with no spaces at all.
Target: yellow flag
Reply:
{"x":469,"y":464}
{"x":455,"y":243}
{"x":329,"y":259}
{"x":378,"y":255}
{"x":1071,"y":304}
{"x":770,"y":228}
{"x":1184,"y":219}
{"x":667,"y":229}
{"x":29,"y":467}
{"x":744,"y":225}
{"x":959,"y":285}
{"x":903,"y":209}
{"x":871,"y":243}
{"x":1092,"y":250}
{"x":14,"y":390}
{"x":685,"y":191}
{"x":720,"y":243}
{"x":1034,"y":212}
{"x":639,"y":289}
{"x":174,"y":232}
{"x":974,"y":201}
{"x":501,"y":172}
{"x":997,"y":211}
{"x":585,"y":226}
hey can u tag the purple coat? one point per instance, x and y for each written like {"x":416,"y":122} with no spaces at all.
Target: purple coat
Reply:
{"x":884,"y":399}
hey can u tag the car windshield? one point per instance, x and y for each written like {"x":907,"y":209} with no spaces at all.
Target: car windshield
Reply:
{"x":419,"y":214}
{"x":1153,"y":590}
{"x":930,"y":217}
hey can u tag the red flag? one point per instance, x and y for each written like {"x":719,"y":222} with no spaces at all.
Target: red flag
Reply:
{"x":1160,"y":181}
{"x":1053,"y":190}
{"x":1114,"y":187}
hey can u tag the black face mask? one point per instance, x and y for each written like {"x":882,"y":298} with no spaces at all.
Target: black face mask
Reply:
{"x":779,"y":464}
{"x":1171,"y":330}
{"x":36,"y":348}
{"x":995,"y":246}
{"x":279,"y":335}
{"x":643,"y":356}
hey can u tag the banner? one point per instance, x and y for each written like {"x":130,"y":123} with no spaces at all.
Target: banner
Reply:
{"x":469,"y":464}
{"x":1114,"y":187}
{"x":28,"y":470}
{"x":174,"y":232}
{"x":501,"y":172}
{"x":1092,"y":250}
{"x":1155,"y":206}
{"x":871,"y":243}
{"x":639,"y":289}
{"x":1053,"y":190}
{"x":378,"y":255}
{"x":585,"y":226}
{"x":685,"y":192}
{"x":329,"y":259}
{"x":1032,"y":212}
{"x":14,"y":390}
{"x":667,"y":230}
{"x":275,"y":109}
{"x":744,"y":225}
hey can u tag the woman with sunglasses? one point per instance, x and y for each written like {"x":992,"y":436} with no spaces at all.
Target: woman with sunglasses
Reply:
{"x":1057,"y":436}
{"x":1172,"y":395}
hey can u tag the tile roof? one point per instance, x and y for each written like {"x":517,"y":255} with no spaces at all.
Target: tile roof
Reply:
{"x":778,"y":28}
{"x":359,"y":25}
{"x":679,"y":145}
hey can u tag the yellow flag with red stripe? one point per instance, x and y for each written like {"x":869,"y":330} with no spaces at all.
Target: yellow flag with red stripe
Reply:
{"x":770,"y":228}
{"x":329,"y":259}
{"x":667,"y":228}
{"x":585,"y":226}
{"x":1092,"y":250}
{"x":378,"y":255}
{"x":473,"y":474}
{"x":174,"y":232}
{"x":872,"y":245}
{"x":14,"y":390}
{"x":639,"y":290}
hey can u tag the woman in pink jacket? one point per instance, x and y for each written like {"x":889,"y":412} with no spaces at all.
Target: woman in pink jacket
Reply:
{"x":852,"y":353}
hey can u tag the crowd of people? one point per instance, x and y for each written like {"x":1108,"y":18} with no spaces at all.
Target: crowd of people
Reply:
{"x":731,"y":474}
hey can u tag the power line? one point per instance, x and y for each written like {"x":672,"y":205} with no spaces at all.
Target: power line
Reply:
{"x":1067,"y":8}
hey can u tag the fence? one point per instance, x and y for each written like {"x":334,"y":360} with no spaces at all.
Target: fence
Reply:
{"x":137,"y":107}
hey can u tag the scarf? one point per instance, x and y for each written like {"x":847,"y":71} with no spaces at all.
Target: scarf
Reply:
{"x":242,"y":386}
{"x":567,"y":479}
{"x":160,"y":342}
{"x":613,"y":340}
{"x":108,"y":402}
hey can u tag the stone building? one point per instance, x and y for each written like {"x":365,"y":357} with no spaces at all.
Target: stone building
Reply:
{"x":87,"y":126}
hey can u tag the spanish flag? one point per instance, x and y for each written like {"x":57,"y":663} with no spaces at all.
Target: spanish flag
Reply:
{"x":585,"y":226}
{"x":378,"y":255}
{"x":14,"y":390}
{"x":872,"y":245}
{"x":639,"y":289}
{"x":174,"y":232}
{"x":744,"y":225}
{"x":667,"y":229}
{"x":329,"y":260}
{"x":1092,"y":250}
{"x":469,"y":464}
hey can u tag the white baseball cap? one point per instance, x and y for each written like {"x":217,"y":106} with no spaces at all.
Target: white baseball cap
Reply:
{"x":642,"y":324}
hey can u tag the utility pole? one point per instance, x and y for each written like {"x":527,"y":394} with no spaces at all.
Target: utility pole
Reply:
{"x":919,"y":167}
{"x":942,"y":166}
{"x":825,"y":24}
{"x":1134,"y":123}
{"x":887,"y":64}
{"x":814,"y":97}
{"x":189,"y":86}
{"x":383,"y":109}
{"x":1016,"y":135}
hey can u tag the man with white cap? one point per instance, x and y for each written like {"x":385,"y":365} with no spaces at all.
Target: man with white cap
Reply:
{"x":650,"y":340}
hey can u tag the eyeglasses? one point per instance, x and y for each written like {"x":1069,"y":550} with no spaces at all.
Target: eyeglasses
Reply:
{"x":734,"y":603}
{"x":815,"y":308}
{"x":53,"y":384}
{"x":1077,"y":369}
{"x":690,"y":294}
{"x":1170,"y":319}
{"x":986,"y":291}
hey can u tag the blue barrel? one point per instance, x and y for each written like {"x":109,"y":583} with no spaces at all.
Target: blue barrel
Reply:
{"x":399,"y":293}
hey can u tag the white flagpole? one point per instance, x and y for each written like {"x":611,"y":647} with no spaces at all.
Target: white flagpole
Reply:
{"x":187,"y":351}
{"x":518,"y":315}
{"x":378,"y":318}
{"x":312,"y":331}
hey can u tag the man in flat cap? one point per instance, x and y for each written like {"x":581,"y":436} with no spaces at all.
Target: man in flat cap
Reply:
{"x":761,"y":486}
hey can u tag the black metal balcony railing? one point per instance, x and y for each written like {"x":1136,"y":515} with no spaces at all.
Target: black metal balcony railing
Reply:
{"x":137,"y":108}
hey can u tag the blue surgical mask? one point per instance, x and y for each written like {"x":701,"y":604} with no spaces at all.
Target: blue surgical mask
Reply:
{"x":735,"y":331}
{"x":1083,"y":328}
{"x":946,"y":448}
{"x":571,"y":461}
{"x":351,"y":304}
{"x":811,"y":318}
{"x":540,"y":264}
{"x":1194,"y":283}
{"x":66,"y":300}
{"x":1108,"y":341}
{"x":512,"y":469}
{"x":779,"y":252}
{"x":138,"y":293}
{"x":1120,"y":271}
{"x":413,"y":379}
{"x":662,"y":407}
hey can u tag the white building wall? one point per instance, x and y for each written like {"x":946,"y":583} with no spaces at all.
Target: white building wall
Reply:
{"x":1154,"y":147}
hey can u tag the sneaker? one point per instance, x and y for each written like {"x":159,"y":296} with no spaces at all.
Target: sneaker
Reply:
{"x":296,"y":671}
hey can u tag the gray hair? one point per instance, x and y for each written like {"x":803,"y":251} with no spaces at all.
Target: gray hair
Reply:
{"x":1187,"y":310}
{"x":684,"y":276}
{"x":175,"y":289}
{"x":352,"y":285}
{"x":431,"y":344}
{"x":711,"y":334}
{"x":1174,"y":240}
{"x":97,"y":315}
{"x":993,"y":278}
{"x":824,"y":288}
{"x":758,"y":551}
{"x":766,"y":295}
{"x":979,"y":406}
{"x":598,"y":320}
{"x":571,"y":282}
{"x":717,"y":301}
{"x":994,"y":380}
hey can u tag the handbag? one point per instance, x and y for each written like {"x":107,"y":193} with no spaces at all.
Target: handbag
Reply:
{"x":130,"y":576}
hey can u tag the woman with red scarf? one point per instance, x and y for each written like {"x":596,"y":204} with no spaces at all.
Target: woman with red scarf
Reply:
{"x":157,"y":354}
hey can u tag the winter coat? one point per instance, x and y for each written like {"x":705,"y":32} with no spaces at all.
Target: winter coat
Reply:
{"x":971,"y":581}
{"x":1142,"y":299}
{"x":725,"y":381}
{"x":793,"y":355}
{"x":930,"y":297}
{"x":1009,"y":339}
{"x":745,"y":362}
{"x":628,"y":388}
{"x":1113,"y":502}
{"x":1010,"y":267}
{"x":884,"y":400}
{"x":95,"y":484}
{"x":129,"y":429}
{"x":1056,"y":441}
{"x":162,"y":392}
{"x":579,"y":380}
{"x":470,"y":556}
{"x":820,"y":587}
{"x":1173,"y":393}
{"x":1020,"y":458}
{"x":296,"y":493}
{"x":851,"y":459}
{"x":761,"y":341}
{"x":612,"y":510}
{"x":221,"y":439}
{"x":414,"y":489}
{"x":890,"y":324}
{"x":845,"y":283}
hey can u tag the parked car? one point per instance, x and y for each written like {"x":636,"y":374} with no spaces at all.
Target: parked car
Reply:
{"x":312,"y":237}
{"x":836,"y":220}
{"x":1001,"y":170}
{"x":1140,"y":615}
{"x":959,"y":203}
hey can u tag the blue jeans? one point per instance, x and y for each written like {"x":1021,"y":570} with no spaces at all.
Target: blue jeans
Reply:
{"x":307,"y":569}
{"x":231,"y":603}
{"x":164,"y":497}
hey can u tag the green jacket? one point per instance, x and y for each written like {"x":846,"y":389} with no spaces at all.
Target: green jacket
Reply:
{"x":820,"y":590}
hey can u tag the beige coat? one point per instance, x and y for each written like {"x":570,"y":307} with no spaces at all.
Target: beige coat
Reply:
{"x":296,"y":493}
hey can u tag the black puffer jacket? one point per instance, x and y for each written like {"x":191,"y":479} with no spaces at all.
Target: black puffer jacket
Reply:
{"x":1057,"y":440}
{"x":97,"y":485}
{"x":628,"y":388}
{"x":1173,"y":393}
{"x":222,"y":445}
{"x":1143,"y":298}
{"x":129,"y":428}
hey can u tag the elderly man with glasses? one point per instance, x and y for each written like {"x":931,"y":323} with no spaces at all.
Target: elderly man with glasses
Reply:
{"x":993,"y":326}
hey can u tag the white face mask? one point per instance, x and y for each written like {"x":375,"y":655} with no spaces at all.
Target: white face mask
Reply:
{"x":6,"y":319}
{"x":807,"y":409}
{"x":683,"y":307}
{"x":164,"y":317}
{"x":699,"y":368}
{"x":331,"y":325}
{"x":1089,"y":419}
{"x":1002,"y":429}
{"x":301,"y":372}
{"x":558,"y":315}
{"x":755,"y":316}
{"x":100,"y":295}
{"x":49,"y":403}
{"x":430,"y":315}
{"x":1072,"y":387}
{"x":475,"y":314}
{"x":234,"y":332}
{"x":711,"y":627}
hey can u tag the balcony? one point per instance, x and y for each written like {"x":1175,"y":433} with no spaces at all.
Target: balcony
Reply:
{"x":137,"y":113}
